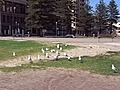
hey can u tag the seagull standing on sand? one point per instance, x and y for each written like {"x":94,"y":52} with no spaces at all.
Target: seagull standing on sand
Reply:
{"x":47,"y":56}
{"x":38,"y":57}
{"x":56,"y":57}
{"x":65,"y":54}
{"x":30,"y":59}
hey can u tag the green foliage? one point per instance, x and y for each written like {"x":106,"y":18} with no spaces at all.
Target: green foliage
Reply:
{"x":101,"y":14}
{"x":85,"y":19}
{"x":112,"y":9}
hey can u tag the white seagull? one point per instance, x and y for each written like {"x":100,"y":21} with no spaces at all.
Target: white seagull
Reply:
{"x":38,"y":57}
{"x":56,"y":57}
{"x":69,"y":58}
{"x":47,"y":56}
{"x":14,"y":54}
{"x":61,"y":48}
{"x":65,"y":54}
{"x":114,"y":68}
{"x":80,"y":59}
{"x":58,"y":45}
{"x":30,"y":59}
{"x":47,"y":49}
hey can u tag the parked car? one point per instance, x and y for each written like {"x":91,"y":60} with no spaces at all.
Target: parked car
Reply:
{"x":70,"y":36}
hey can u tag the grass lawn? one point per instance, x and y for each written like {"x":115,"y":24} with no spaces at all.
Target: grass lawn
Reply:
{"x":100,"y":64}
{"x":23,"y":48}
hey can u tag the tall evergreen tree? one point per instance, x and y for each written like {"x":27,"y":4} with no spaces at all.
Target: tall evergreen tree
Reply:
{"x":112,"y":11}
{"x":85,"y":19}
{"x":64,"y":13}
{"x":39,"y":14}
{"x":102,"y":15}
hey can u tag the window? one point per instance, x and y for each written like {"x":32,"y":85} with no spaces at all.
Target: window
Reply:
{"x":10,"y":9}
{"x":3,"y":8}
{"x":3,"y":18}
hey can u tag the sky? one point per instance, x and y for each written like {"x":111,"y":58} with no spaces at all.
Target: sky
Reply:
{"x":94,"y":2}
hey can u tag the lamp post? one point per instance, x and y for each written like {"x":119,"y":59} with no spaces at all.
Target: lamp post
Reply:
{"x":56,"y":28}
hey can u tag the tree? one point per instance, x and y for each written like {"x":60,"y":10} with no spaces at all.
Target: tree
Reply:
{"x":64,"y":13}
{"x":112,"y":11}
{"x":40,"y":17}
{"x":85,"y":19}
{"x":101,"y":15}
{"x":1,"y":2}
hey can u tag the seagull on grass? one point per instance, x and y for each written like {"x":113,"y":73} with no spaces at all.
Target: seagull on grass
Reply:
{"x":58,"y":46}
{"x":80,"y":59}
{"x":69,"y":58}
{"x":61,"y":48}
{"x":14,"y":54}
{"x":114,"y":68}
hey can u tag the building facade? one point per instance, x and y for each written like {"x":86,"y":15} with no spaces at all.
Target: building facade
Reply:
{"x":76,"y":13}
{"x":12,"y":17}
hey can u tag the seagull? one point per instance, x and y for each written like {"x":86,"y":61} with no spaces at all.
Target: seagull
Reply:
{"x":57,"y":53}
{"x":58,"y":45}
{"x":56,"y":57}
{"x":65,"y":54}
{"x":114,"y":68}
{"x":66,"y":45}
{"x":47,"y":49}
{"x":60,"y":48}
{"x":47,"y":56}
{"x":69,"y":58}
{"x":80,"y":59}
{"x":38,"y":57}
{"x":42,"y":49}
{"x":29,"y":58}
{"x":90,"y":46}
{"x":14,"y":54}
{"x":53,"y":50}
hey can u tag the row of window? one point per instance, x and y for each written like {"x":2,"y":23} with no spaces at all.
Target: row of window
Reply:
{"x":9,"y":19}
{"x":13,"y":8}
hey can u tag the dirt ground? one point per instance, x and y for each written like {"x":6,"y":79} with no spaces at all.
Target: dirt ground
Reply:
{"x":63,"y":79}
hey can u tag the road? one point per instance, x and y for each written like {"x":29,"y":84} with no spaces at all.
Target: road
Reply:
{"x":66,"y":40}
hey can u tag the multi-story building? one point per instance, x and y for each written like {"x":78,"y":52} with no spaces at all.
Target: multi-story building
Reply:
{"x":78,"y":6}
{"x":12,"y":16}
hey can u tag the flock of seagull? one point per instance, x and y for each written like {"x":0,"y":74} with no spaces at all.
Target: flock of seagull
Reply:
{"x":57,"y":54}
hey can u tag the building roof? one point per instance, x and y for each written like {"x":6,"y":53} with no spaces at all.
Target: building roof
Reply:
{"x":117,"y":24}
{"x":18,"y":1}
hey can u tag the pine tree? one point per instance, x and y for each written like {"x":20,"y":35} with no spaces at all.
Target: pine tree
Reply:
{"x":102,"y":15}
{"x":85,"y":19}
{"x":63,"y":13}
{"x":112,"y":11}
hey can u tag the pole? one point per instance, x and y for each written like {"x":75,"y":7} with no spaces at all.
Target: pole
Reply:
{"x":56,"y":29}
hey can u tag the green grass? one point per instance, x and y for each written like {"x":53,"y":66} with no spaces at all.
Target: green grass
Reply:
{"x":23,"y":48}
{"x":100,"y":64}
